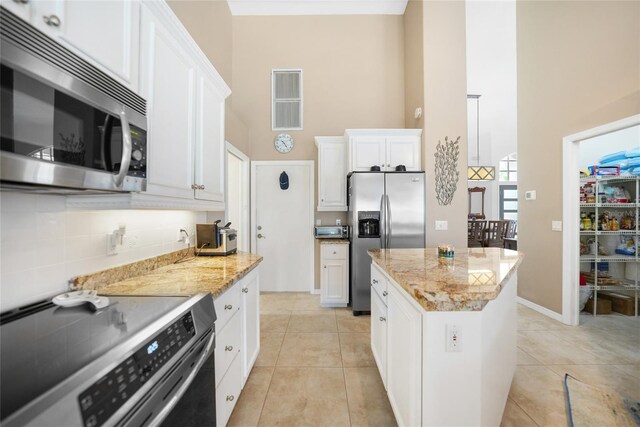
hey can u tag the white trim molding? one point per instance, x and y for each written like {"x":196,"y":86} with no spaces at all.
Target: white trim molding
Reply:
{"x":316,"y":7}
{"x":571,"y":213}
{"x":540,"y":309}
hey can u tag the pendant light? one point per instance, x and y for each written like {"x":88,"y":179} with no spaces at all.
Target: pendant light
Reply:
{"x":479,"y":173}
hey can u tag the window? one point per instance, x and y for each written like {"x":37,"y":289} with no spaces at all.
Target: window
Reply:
{"x":286,"y":94}
{"x":509,"y":202}
{"x":509,"y":168}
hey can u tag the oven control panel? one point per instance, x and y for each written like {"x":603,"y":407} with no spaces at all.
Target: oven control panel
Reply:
{"x":102,"y":399}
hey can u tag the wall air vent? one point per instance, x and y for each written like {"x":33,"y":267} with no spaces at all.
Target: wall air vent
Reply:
{"x":286,"y":94}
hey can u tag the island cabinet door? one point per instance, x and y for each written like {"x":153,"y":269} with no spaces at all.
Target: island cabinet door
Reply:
{"x":379,"y":334}
{"x":404,"y":357}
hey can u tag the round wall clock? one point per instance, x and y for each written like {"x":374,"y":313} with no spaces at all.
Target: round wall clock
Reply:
{"x":283,"y":143}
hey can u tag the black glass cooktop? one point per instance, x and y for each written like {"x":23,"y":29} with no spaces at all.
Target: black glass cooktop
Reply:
{"x":42,"y":346}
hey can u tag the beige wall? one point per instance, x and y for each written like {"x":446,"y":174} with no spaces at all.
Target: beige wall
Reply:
{"x":445,"y":112}
{"x":352,"y":75}
{"x":578,"y":67}
{"x":413,"y":64}
{"x":210,"y":24}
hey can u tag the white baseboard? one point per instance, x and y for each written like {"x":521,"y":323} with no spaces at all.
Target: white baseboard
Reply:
{"x":315,"y":292}
{"x":540,"y":309}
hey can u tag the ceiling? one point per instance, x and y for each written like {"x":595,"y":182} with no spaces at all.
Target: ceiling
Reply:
{"x":316,"y":7}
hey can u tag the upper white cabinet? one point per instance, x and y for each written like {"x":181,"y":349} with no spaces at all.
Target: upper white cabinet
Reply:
{"x":105,"y":33}
{"x":332,"y":173}
{"x":185,"y":98}
{"x":386,"y":148}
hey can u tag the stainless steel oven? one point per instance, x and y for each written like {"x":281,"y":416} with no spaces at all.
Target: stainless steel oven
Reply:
{"x":141,"y":361}
{"x":65,"y":123}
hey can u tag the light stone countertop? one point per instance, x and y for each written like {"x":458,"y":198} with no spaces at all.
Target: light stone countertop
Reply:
{"x":334,"y":241}
{"x":200,"y":274}
{"x":467,"y":282}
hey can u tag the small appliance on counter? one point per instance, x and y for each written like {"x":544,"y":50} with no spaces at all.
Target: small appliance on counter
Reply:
{"x":213,"y":240}
{"x":331,"y":232}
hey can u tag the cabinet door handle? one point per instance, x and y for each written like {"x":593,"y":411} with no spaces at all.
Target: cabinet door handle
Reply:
{"x":51,"y":20}
{"x":228,"y":348}
{"x":322,"y":200}
{"x":385,"y":293}
{"x":21,"y":1}
{"x":334,"y":252}
{"x":382,"y":319}
{"x":202,"y":187}
{"x":245,"y":290}
{"x":325,"y":266}
{"x":374,"y":281}
{"x":194,"y":187}
{"x":228,"y":307}
{"x":230,"y":398}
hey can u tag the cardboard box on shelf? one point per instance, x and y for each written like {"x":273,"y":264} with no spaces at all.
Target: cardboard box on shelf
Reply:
{"x":620,"y":303}
{"x":603,"y":306}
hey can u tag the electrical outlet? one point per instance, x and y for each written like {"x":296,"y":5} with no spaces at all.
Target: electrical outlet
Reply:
{"x":453,"y":343}
{"x":442,"y":225}
{"x":182,"y":235}
{"x":556,"y":225}
{"x":338,"y":221}
{"x":318,"y":222}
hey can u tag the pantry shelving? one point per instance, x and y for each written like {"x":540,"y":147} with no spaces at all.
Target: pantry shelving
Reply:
{"x":609,"y":226}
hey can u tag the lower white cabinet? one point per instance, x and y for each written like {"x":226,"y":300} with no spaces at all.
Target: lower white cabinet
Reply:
{"x":396,"y":343}
{"x":334,"y":274}
{"x":250,"y":322}
{"x":379,"y":334}
{"x":237,"y":341}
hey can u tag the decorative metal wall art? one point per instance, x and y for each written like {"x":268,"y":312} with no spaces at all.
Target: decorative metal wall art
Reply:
{"x":446,"y":170}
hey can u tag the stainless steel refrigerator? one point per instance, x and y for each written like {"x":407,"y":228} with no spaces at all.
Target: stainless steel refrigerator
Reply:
{"x":386,"y":210}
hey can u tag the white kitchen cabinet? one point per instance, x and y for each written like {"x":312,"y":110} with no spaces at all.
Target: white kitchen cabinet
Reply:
{"x":237,"y":340}
{"x":250,"y":309}
{"x":404,"y":357}
{"x":228,"y":391}
{"x":386,"y":148}
{"x":106,"y":33}
{"x":334,"y":275}
{"x":185,"y":98}
{"x":379,"y":334}
{"x":332,"y":173}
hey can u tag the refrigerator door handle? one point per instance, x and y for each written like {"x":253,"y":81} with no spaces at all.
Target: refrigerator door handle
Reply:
{"x":388,"y":218}
{"x":383,"y":219}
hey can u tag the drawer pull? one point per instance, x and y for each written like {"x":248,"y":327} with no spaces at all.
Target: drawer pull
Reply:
{"x":374,"y":281}
{"x":51,"y":20}
{"x":230,"y":398}
{"x":228,"y":348}
{"x":334,"y":252}
{"x":382,"y":319}
{"x":385,"y":293}
{"x":228,"y":306}
{"x":245,"y":290}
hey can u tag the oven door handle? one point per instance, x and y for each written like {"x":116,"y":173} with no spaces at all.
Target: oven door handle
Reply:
{"x":126,"y":150}
{"x":185,"y":385}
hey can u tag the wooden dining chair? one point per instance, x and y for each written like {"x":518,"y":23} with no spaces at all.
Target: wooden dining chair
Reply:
{"x":494,"y":234}
{"x":512,"y":229}
{"x":475,"y":233}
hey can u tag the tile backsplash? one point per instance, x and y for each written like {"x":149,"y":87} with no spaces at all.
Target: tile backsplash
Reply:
{"x":43,"y":244}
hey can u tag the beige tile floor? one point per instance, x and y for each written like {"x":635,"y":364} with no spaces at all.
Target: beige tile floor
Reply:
{"x":316,"y":368}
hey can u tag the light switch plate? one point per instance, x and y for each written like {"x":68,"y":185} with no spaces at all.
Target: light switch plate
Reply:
{"x":442,"y":225}
{"x":556,"y":225}
{"x":530,"y":195}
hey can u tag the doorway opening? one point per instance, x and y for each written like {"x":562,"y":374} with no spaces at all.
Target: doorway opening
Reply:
{"x":237,"y":194}
{"x":573,"y":157}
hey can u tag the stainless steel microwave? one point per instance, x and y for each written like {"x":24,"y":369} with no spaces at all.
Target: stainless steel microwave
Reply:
{"x":65,"y":123}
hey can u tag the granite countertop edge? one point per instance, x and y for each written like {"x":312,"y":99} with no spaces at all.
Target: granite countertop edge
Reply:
{"x":469,"y":302}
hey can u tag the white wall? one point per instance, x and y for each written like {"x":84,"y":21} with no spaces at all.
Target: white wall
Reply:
{"x":43,"y":245}
{"x":491,"y":72}
{"x":592,"y":149}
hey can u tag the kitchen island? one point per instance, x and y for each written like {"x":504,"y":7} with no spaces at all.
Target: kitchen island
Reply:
{"x":443,"y":333}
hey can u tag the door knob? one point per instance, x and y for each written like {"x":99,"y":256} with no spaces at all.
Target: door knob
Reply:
{"x":260,"y":236}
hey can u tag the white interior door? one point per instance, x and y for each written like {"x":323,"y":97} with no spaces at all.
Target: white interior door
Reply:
{"x":282,"y":224}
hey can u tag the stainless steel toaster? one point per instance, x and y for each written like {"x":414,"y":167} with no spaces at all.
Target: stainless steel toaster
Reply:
{"x":212,"y":240}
